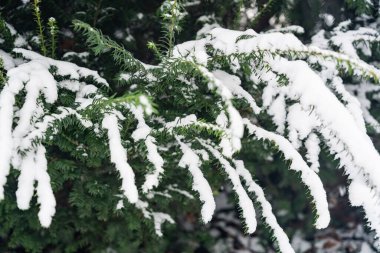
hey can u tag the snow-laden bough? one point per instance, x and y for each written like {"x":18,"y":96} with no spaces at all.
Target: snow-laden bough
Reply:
{"x":269,"y":74}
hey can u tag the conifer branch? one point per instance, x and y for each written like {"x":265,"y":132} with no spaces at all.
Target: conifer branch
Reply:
{"x":100,"y":44}
{"x":6,"y":34}
{"x":53,"y":32}
{"x":3,"y":78}
{"x":40,"y":26}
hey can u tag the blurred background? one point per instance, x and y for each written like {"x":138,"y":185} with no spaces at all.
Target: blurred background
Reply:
{"x":133,"y":23}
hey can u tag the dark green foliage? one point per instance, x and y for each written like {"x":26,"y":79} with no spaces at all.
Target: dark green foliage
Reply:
{"x":101,"y":44}
{"x":2,"y":73}
{"x":6,"y":36}
{"x":271,"y":8}
{"x":85,"y":183}
{"x":361,"y":6}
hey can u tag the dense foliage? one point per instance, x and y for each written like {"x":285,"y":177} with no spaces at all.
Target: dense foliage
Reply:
{"x":113,"y":141}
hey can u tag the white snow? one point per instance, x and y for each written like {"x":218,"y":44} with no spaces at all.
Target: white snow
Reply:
{"x":309,"y":108}
{"x":158,"y":217}
{"x":45,"y":194}
{"x":17,"y":144}
{"x":308,"y":176}
{"x":317,"y":104}
{"x":313,"y":150}
{"x":233,"y":83}
{"x":281,"y":238}
{"x":308,"y":88}
{"x":34,"y":168}
{"x":8,"y":61}
{"x":174,"y":188}
{"x":119,"y":158}
{"x":143,"y":132}
{"x":245,"y":203}
{"x":191,"y":160}
{"x":361,"y":91}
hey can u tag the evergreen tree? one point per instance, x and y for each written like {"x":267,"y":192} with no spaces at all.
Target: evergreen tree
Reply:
{"x":106,"y":151}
